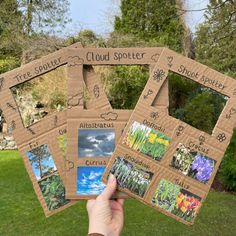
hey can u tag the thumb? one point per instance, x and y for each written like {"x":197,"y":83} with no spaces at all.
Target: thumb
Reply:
{"x":109,"y":190}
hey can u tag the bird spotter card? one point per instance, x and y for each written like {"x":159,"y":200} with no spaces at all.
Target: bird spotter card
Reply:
{"x":92,"y":134}
{"x":164,"y":162}
{"x":41,"y":143}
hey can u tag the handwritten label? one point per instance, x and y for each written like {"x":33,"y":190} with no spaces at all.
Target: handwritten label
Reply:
{"x":154,"y":126}
{"x":95,"y":163}
{"x":62,"y":131}
{"x":33,"y":145}
{"x":212,"y":82}
{"x":136,"y":161}
{"x":116,"y":56}
{"x":182,"y":183}
{"x":96,"y":125}
{"x":194,"y":146}
{"x":188,"y":73}
{"x":38,"y":70}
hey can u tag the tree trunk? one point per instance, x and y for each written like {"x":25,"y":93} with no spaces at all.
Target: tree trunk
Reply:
{"x":29,"y":16}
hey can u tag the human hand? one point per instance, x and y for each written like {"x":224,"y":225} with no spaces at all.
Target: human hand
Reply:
{"x":106,"y":216}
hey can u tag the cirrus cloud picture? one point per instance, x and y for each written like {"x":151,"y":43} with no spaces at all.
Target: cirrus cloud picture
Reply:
{"x":89,"y":180}
{"x":96,"y":142}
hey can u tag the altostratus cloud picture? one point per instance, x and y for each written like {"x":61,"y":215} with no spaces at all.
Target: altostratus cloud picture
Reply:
{"x":89,"y":180}
{"x":96,"y":142}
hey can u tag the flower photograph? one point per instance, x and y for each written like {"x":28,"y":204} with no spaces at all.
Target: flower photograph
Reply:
{"x":41,"y":161}
{"x":131,"y":176}
{"x":178,"y":201}
{"x":89,"y":180}
{"x":96,"y":142}
{"x":147,"y":141}
{"x":53,"y":192}
{"x":193,"y":164}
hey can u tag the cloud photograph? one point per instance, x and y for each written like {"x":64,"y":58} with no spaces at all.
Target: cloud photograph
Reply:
{"x":96,"y":142}
{"x":89,"y":180}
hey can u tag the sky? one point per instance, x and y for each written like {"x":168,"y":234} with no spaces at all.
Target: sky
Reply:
{"x":46,"y":163}
{"x":96,"y":142}
{"x":99,"y":15}
{"x":89,"y":180}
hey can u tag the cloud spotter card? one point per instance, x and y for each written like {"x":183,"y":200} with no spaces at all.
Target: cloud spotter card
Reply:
{"x":93,"y":134}
{"x":165,"y":162}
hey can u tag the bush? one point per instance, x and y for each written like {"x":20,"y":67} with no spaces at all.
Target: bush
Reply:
{"x":8,"y":64}
{"x":228,"y":166}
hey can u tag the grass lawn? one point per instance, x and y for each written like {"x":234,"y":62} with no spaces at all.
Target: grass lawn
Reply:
{"x":21,"y":213}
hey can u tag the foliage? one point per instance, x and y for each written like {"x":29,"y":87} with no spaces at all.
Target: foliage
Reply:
{"x":228,"y":166}
{"x":7,"y":64}
{"x":147,"y":141}
{"x":151,"y":20}
{"x":54,"y":83}
{"x":86,"y":38}
{"x":132,"y":177}
{"x":217,"y":215}
{"x":36,"y":157}
{"x":61,"y":140}
{"x":141,"y":23}
{"x":53,"y":192}
{"x":10,"y":29}
{"x":172,"y":198}
{"x":215,"y":37}
{"x":187,"y":103}
{"x":125,"y":84}
{"x":215,"y":47}
{"x":44,"y":16}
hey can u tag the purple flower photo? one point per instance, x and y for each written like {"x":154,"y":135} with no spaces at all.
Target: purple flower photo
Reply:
{"x":193,"y":164}
{"x":203,"y":166}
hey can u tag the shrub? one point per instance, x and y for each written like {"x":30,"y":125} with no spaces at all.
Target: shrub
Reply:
{"x":8,"y":64}
{"x":228,"y":166}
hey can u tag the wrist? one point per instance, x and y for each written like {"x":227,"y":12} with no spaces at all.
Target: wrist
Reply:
{"x":99,"y":229}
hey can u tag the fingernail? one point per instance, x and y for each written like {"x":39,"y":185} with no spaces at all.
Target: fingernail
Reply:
{"x":112,"y":179}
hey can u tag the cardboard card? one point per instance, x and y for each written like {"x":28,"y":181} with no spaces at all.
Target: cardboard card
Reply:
{"x":41,"y":143}
{"x":164,"y":162}
{"x":93,"y":133}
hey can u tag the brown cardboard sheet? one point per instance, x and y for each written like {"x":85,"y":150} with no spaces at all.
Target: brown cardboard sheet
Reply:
{"x":41,"y":144}
{"x":87,"y":157}
{"x":164,"y":162}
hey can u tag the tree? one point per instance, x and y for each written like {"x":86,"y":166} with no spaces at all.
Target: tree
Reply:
{"x":10,"y":35}
{"x":87,"y":38}
{"x":215,"y":37}
{"x":10,"y":28}
{"x":43,"y":15}
{"x":141,"y":23}
{"x":215,"y":47}
{"x":155,"y":21}
{"x":37,"y":156}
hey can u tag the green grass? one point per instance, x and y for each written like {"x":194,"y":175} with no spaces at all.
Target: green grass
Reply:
{"x":22,"y":215}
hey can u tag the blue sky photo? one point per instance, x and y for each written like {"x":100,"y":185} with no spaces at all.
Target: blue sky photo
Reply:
{"x":89,"y":180}
{"x":96,"y":142}
{"x":46,"y":163}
